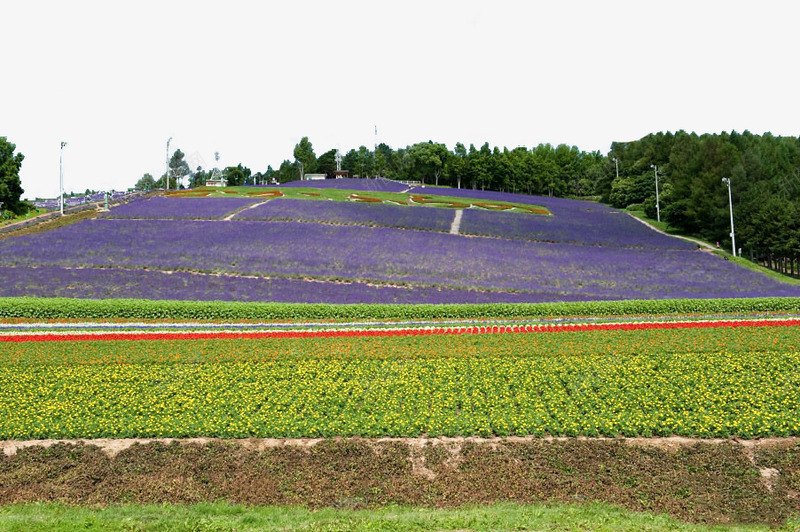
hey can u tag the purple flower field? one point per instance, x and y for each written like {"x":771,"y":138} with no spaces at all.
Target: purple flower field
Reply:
{"x":579,"y":226}
{"x":161,"y":208}
{"x":373,"y":214}
{"x":542,"y":271}
{"x":491,"y":195}
{"x":116,"y":283}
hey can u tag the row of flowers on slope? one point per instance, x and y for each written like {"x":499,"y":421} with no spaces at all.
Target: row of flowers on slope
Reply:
{"x":334,"y":332}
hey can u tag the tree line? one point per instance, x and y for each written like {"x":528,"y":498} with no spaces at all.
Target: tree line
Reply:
{"x":764,"y":173}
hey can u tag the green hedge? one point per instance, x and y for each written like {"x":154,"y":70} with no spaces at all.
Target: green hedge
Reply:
{"x":64,"y":308}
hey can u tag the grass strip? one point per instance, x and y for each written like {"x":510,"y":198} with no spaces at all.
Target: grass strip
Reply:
{"x":66,"y":308}
{"x":222,"y":516}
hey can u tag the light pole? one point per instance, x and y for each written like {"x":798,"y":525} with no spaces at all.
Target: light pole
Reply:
{"x":616,"y":166}
{"x":727,"y":181}
{"x":166,"y":175}
{"x":658,"y":207}
{"x":61,"y":178}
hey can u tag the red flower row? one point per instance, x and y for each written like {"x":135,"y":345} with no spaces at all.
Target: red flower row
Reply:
{"x":503,"y":329}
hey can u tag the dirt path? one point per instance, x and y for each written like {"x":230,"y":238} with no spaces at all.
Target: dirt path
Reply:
{"x":456,"y":225}
{"x":112,"y":446}
{"x":700,"y":243}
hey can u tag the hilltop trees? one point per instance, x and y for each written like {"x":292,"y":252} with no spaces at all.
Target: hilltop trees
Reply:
{"x":765,"y":187}
{"x":178,"y":168}
{"x":428,"y":159}
{"x":145,"y":183}
{"x":304,"y":153}
{"x":10,"y":185}
{"x":237,"y":175}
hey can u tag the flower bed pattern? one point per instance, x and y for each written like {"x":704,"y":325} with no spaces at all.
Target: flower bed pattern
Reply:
{"x":378,"y":331}
{"x":371,"y":214}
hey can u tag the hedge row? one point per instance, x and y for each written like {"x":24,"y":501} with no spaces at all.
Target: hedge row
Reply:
{"x":65,"y":308}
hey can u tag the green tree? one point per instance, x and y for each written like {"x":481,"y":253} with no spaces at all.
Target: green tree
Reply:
{"x":10,"y":185}
{"x":326,"y":163}
{"x":385,"y":161}
{"x":456,"y":169}
{"x":237,"y":175}
{"x":428,"y":159}
{"x":199,"y":177}
{"x":178,"y":168}
{"x":145,"y":183}
{"x":364,"y":161}
{"x":304,"y":152}
{"x":286,"y":172}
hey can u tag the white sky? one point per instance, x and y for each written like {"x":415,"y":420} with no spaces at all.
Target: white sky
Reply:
{"x":249,"y":79}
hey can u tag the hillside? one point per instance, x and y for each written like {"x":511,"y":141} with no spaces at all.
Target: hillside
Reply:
{"x":680,"y":406}
{"x":368,"y":241}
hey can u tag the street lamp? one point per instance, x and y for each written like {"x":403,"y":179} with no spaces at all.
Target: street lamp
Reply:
{"x":658,"y":207}
{"x":61,"y":178}
{"x":166,"y":175}
{"x":727,"y":181}
{"x":616,"y":166}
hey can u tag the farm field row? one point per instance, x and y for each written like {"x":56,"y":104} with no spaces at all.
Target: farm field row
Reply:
{"x":707,"y":382}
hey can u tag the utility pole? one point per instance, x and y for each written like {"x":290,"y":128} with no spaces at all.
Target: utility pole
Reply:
{"x":658,"y":206}
{"x":727,"y":181}
{"x":166,"y":176}
{"x":61,"y":178}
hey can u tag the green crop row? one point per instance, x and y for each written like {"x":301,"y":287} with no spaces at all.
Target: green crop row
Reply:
{"x":64,"y":308}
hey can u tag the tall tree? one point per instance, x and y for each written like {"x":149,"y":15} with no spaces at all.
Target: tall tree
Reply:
{"x":428,"y":159}
{"x":10,"y":185}
{"x":364,"y":162}
{"x":178,"y":168}
{"x":304,"y":153}
{"x":326,"y":163}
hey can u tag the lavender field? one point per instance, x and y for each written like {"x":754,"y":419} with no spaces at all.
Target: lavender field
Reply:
{"x":577,"y":226}
{"x":371,"y":214}
{"x":161,"y":208}
{"x":584,"y":251}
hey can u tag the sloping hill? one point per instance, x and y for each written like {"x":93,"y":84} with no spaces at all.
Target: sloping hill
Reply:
{"x":255,"y":245}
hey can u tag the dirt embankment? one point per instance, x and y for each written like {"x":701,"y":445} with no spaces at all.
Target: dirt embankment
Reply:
{"x":707,"y":481}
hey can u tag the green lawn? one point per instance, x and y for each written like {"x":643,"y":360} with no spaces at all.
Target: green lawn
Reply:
{"x":396,"y":198}
{"x":224,"y":517}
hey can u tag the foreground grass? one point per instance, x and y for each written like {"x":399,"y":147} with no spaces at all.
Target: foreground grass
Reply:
{"x":224,"y":517}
